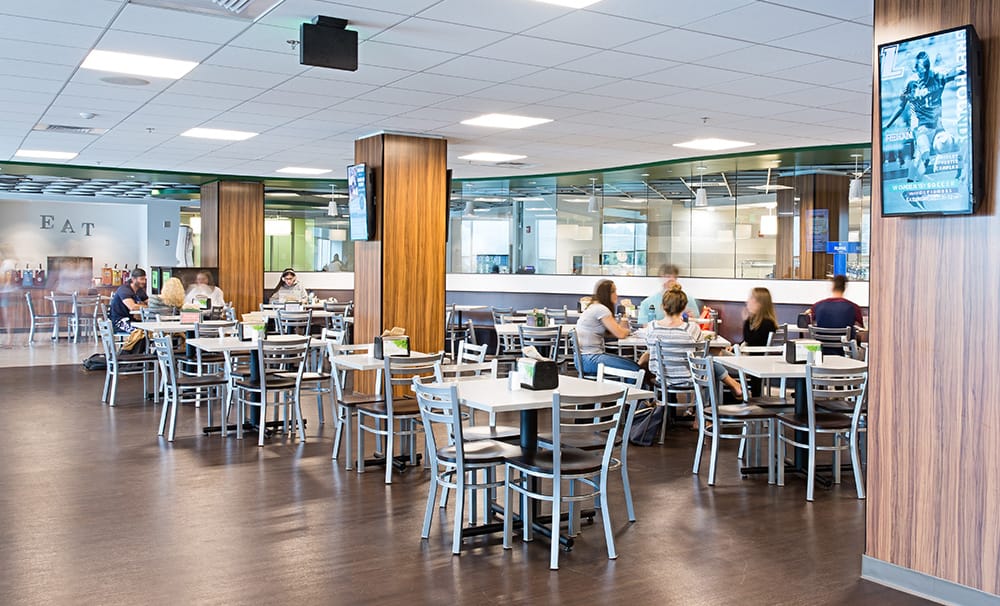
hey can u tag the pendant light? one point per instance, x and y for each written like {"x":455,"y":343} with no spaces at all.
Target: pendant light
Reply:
{"x":856,"y":191}
{"x":700,"y":195}
{"x":592,"y":204}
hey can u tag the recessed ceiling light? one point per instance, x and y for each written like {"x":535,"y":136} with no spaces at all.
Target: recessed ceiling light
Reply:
{"x":712,"y":144}
{"x":490,"y":157}
{"x":218,"y":133}
{"x":281,"y":194}
{"x":45,"y":155}
{"x":488,"y":199}
{"x":137,"y":65}
{"x":303,"y":170}
{"x":505,"y":121}
{"x":570,"y":3}
{"x":767,"y":188}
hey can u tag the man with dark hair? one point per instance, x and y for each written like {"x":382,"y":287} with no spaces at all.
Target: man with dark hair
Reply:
{"x":836,"y":311}
{"x":129,"y":297}
{"x":668,"y":273}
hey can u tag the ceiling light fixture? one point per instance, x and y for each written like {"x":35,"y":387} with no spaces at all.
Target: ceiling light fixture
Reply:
{"x":856,"y":191}
{"x":505,"y":121}
{"x":44,"y":155}
{"x":713,"y":144}
{"x":700,"y":195}
{"x":218,"y":134}
{"x":570,"y":3}
{"x":592,"y":205}
{"x":280,"y":194}
{"x":490,"y":157}
{"x":769,"y":225}
{"x":137,"y":65}
{"x":303,"y":170}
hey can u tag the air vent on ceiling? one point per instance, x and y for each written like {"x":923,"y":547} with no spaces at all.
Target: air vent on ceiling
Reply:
{"x":243,"y":9}
{"x":515,"y":164}
{"x":70,"y":130}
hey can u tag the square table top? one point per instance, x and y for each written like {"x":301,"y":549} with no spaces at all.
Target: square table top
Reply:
{"x":493,"y":395}
{"x":775,"y":367}
{"x":364,"y":361}
{"x":234,"y":344}
{"x":168,"y":327}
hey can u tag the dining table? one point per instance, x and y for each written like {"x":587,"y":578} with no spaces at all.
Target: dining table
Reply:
{"x":776,"y":367}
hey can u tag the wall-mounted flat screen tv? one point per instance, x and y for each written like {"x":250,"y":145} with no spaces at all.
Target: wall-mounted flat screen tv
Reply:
{"x":359,"y":202}
{"x":930,"y":114}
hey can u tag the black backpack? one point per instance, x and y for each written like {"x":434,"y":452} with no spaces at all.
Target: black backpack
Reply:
{"x":95,"y":362}
{"x":646,"y":426}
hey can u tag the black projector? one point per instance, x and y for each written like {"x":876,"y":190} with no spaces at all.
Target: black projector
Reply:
{"x":327,"y":43}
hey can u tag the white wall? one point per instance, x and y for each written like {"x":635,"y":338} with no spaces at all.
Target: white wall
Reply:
{"x":162,"y":219}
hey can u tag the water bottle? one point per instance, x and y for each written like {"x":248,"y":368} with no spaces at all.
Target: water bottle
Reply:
{"x":652,"y":313}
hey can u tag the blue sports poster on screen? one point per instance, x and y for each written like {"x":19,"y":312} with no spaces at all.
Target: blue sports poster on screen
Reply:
{"x":357,"y":201}
{"x":926,"y":133}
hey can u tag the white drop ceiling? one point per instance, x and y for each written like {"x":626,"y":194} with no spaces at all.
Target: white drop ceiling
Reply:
{"x":622,"y":80}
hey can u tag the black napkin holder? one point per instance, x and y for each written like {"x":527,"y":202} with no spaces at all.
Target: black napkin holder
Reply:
{"x":538,"y":374}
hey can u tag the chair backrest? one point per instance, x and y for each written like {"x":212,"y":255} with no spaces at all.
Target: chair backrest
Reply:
{"x":439,"y":408}
{"x":333,"y":335}
{"x":470,"y":352}
{"x":215,"y":329}
{"x":574,"y":343}
{"x":835,"y":340}
{"x":834,"y":384}
{"x":400,"y":371}
{"x":337,"y":307}
{"x":469,"y":370}
{"x":499,"y":312}
{"x":336,"y":321}
{"x":512,"y":319}
{"x":107,"y":334}
{"x":281,"y":355}
{"x":148,"y":314}
{"x":294,"y":322}
{"x":31,"y":305}
{"x":706,"y":388}
{"x":556,"y":315}
{"x":668,"y":361}
{"x":163,"y":346}
{"x":779,"y":336}
{"x":546,"y":339}
{"x":610,"y":374}
{"x":584,"y":415}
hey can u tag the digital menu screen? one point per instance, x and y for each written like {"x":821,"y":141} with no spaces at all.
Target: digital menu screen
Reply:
{"x":357,"y":201}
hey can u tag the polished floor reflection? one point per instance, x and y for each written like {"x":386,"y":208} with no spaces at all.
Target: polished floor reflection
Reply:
{"x":98,"y":510}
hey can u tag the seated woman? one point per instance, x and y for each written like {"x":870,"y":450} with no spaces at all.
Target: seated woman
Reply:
{"x":204,"y":289}
{"x":761,"y":321}
{"x":288,"y":288}
{"x":674,"y":328}
{"x":596,"y":322}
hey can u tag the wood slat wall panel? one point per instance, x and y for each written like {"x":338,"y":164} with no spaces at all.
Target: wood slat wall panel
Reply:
{"x":933,"y":472}
{"x":233,"y":238}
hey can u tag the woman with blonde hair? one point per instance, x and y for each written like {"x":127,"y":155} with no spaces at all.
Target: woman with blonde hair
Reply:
{"x":761,"y":320}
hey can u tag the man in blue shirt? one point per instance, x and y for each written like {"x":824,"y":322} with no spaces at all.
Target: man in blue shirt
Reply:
{"x":129,"y":296}
{"x":836,"y":311}
{"x":668,"y":273}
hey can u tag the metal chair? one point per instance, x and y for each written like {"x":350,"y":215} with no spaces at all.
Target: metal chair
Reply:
{"x":345,"y":404}
{"x":571,"y":416}
{"x":123,"y":364}
{"x":454,"y":332}
{"x":668,"y":363}
{"x":175,"y":384}
{"x":556,"y":316}
{"x":836,"y":341}
{"x":396,"y":410}
{"x":721,"y":421}
{"x":83,"y":317}
{"x":293,"y":322}
{"x":545,"y":339}
{"x":456,"y":462}
{"x":574,"y":343}
{"x":631,"y":378}
{"x":40,"y":320}
{"x":827,"y":388}
{"x":265,"y":387}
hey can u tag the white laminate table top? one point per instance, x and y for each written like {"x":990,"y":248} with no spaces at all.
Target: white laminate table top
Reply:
{"x":364,"y":361}
{"x":775,"y":367}
{"x":638,"y":341}
{"x":493,"y":395}
{"x":169,"y":327}
{"x":234,"y":344}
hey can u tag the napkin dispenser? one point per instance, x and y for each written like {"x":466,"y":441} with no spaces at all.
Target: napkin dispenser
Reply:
{"x":538,"y":374}
{"x":391,"y":346}
{"x":797,"y":350}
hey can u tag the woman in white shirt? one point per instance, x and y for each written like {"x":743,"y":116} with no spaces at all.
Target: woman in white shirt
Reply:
{"x":675,"y":329}
{"x":203,"y":288}
{"x":597,"y":322}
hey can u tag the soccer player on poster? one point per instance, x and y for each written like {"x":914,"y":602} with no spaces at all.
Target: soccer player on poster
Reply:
{"x":920,"y":103}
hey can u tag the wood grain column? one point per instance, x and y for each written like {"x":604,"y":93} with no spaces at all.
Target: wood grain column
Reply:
{"x":232,"y":239}
{"x":934,"y":435}
{"x":399,"y":277}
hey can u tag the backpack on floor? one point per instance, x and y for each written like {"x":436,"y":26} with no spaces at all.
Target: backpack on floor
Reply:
{"x":646,"y":426}
{"x":95,"y":362}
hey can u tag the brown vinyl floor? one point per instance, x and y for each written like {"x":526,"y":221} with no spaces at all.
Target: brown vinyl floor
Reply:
{"x":96,"y":509}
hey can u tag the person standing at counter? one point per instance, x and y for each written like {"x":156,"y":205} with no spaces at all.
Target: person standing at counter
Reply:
{"x":651,"y":307}
{"x":598,"y":321}
{"x":129,"y":297}
{"x":836,"y":311}
{"x":288,"y":288}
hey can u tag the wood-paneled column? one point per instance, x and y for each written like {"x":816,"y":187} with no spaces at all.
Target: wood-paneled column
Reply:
{"x":399,"y":276}
{"x":232,"y":239}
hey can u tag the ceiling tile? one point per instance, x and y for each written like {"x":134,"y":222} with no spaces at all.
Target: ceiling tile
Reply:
{"x":617,"y":65}
{"x":274,"y":109}
{"x":235,"y":76}
{"x":329,"y":88}
{"x":63,"y":34}
{"x":517,"y":94}
{"x":157,"y":46}
{"x":511,"y":16}
{"x":760,"y":22}
{"x":19,"y":50}
{"x":436,"y":35}
{"x":534,"y":51}
{"x":595,"y":29}
{"x":281,"y":63}
{"x":842,"y":9}
{"x":674,"y":12}
{"x":845,"y":41}
{"x":483,"y":69}
{"x":181,"y":24}
{"x":372,"y":107}
{"x":586,"y":102}
{"x":268,"y":38}
{"x":683,"y":46}
{"x":94,"y":12}
{"x":757,"y":87}
{"x":370,"y":74}
{"x":829,"y":71}
{"x":636,"y":90}
{"x":214,"y":89}
{"x":367,"y":22}
{"x":388,"y":94}
{"x":760,"y":59}
{"x":442,"y":84}
{"x":374,"y":52}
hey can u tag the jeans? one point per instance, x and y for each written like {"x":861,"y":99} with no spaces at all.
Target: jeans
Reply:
{"x":591,"y":361}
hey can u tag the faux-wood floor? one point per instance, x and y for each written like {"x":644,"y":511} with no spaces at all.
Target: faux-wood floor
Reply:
{"x":96,"y":509}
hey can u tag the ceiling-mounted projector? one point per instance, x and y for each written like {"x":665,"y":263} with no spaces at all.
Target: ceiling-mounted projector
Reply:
{"x":326,"y":42}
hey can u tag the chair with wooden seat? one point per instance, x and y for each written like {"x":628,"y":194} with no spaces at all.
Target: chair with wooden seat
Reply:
{"x":345,"y":403}
{"x":123,"y":364}
{"x":265,"y":386}
{"x":213,"y":385}
{"x":39,"y":320}
{"x":531,"y":473}
{"x":456,"y":462}
{"x":396,"y":416}
{"x":835,"y":389}
{"x":718,"y":421}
